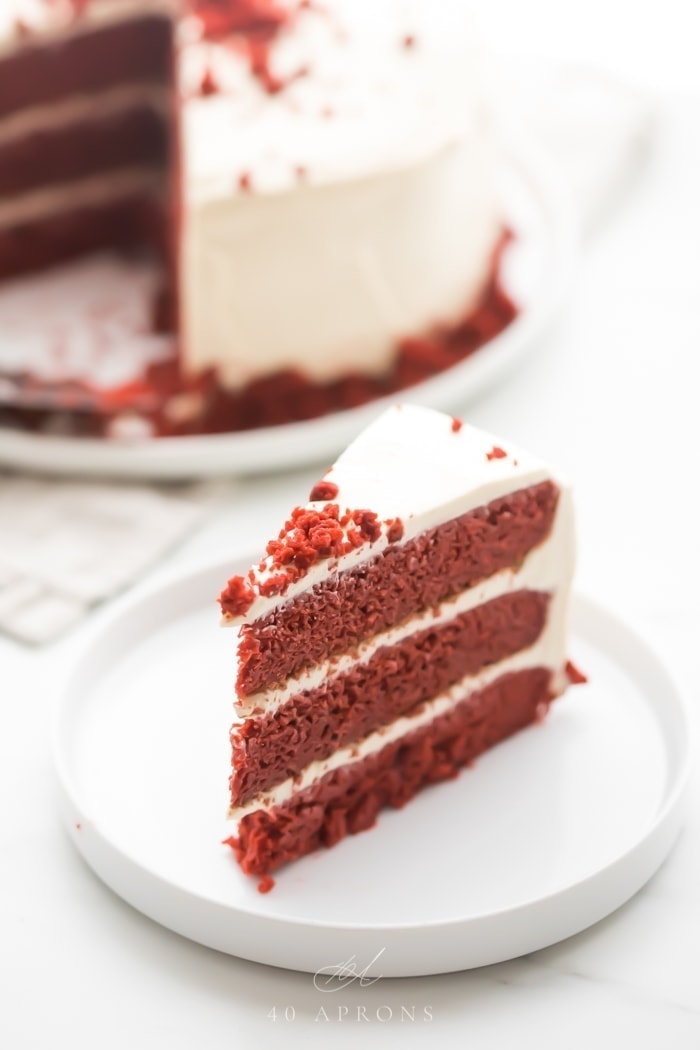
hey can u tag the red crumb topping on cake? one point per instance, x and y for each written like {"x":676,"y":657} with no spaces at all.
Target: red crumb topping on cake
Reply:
{"x":208,"y":85}
{"x":323,"y":490}
{"x":239,"y":596}
{"x":309,"y":536}
{"x":222,"y":18}
{"x":394,"y":531}
{"x":575,"y":676}
{"x":496,"y":453}
{"x":457,"y":425}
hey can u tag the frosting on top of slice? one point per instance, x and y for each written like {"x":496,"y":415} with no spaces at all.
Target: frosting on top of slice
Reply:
{"x":409,"y":471}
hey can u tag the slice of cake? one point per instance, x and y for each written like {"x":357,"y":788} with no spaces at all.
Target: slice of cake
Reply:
{"x":409,"y":617}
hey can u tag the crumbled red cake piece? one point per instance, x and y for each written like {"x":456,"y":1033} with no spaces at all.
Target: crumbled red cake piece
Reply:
{"x":496,"y":453}
{"x":208,"y":85}
{"x":308,"y":536}
{"x":575,"y":676}
{"x":457,"y":425}
{"x":323,"y":490}
{"x":245,"y":182}
{"x":220,"y":18}
{"x":266,"y":884}
{"x":394,"y":530}
{"x":409,"y":41}
{"x":79,"y":7}
{"x":237,"y":597}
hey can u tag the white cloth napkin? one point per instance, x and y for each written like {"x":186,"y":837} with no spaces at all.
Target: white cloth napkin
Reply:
{"x":67,"y":545}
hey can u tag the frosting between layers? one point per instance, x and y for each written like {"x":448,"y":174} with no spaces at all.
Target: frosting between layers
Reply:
{"x":81,"y":108}
{"x":82,"y":193}
{"x":541,"y":570}
{"x":546,"y":652}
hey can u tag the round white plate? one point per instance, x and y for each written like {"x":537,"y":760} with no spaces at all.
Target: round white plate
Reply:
{"x":538,"y":268}
{"x":549,"y":832}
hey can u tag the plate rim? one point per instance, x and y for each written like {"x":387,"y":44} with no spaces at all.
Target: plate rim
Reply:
{"x":288,"y":445}
{"x":668,"y":815}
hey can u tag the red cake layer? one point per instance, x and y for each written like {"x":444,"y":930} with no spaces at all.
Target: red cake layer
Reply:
{"x":137,"y":137}
{"x":312,"y":725}
{"x":42,"y":72}
{"x":348,"y":800}
{"x":342,"y":611}
{"x":131,"y":222}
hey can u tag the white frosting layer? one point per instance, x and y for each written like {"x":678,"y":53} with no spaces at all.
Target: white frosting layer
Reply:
{"x":547,"y":652}
{"x":411,"y":464}
{"x":389,"y":228}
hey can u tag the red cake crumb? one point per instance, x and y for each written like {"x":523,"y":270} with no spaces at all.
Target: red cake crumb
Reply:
{"x":245,"y":182}
{"x":323,"y":490}
{"x":208,"y":85}
{"x":496,"y":453}
{"x":394,"y":531}
{"x":308,"y":536}
{"x":457,"y":425}
{"x":408,"y":41}
{"x":266,"y":884}
{"x":239,"y":597}
{"x":575,"y":676}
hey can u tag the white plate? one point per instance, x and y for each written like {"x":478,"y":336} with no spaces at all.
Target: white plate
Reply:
{"x":538,"y":269}
{"x":548,"y":833}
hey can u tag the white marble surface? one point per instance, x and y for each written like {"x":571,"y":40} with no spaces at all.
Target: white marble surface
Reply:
{"x":612,"y":397}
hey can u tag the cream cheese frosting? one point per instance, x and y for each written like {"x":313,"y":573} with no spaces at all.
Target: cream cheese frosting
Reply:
{"x":412,"y":464}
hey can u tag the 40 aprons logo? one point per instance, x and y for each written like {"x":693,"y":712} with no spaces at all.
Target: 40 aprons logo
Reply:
{"x":338,"y":977}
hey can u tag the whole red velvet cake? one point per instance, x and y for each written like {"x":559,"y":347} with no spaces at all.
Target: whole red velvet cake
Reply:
{"x":222,"y":214}
{"x":410,"y":616}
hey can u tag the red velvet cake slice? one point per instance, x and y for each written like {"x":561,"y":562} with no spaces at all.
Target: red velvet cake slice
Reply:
{"x":409,"y":617}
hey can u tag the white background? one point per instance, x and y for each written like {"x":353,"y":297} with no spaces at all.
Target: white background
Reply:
{"x":612,"y":397}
